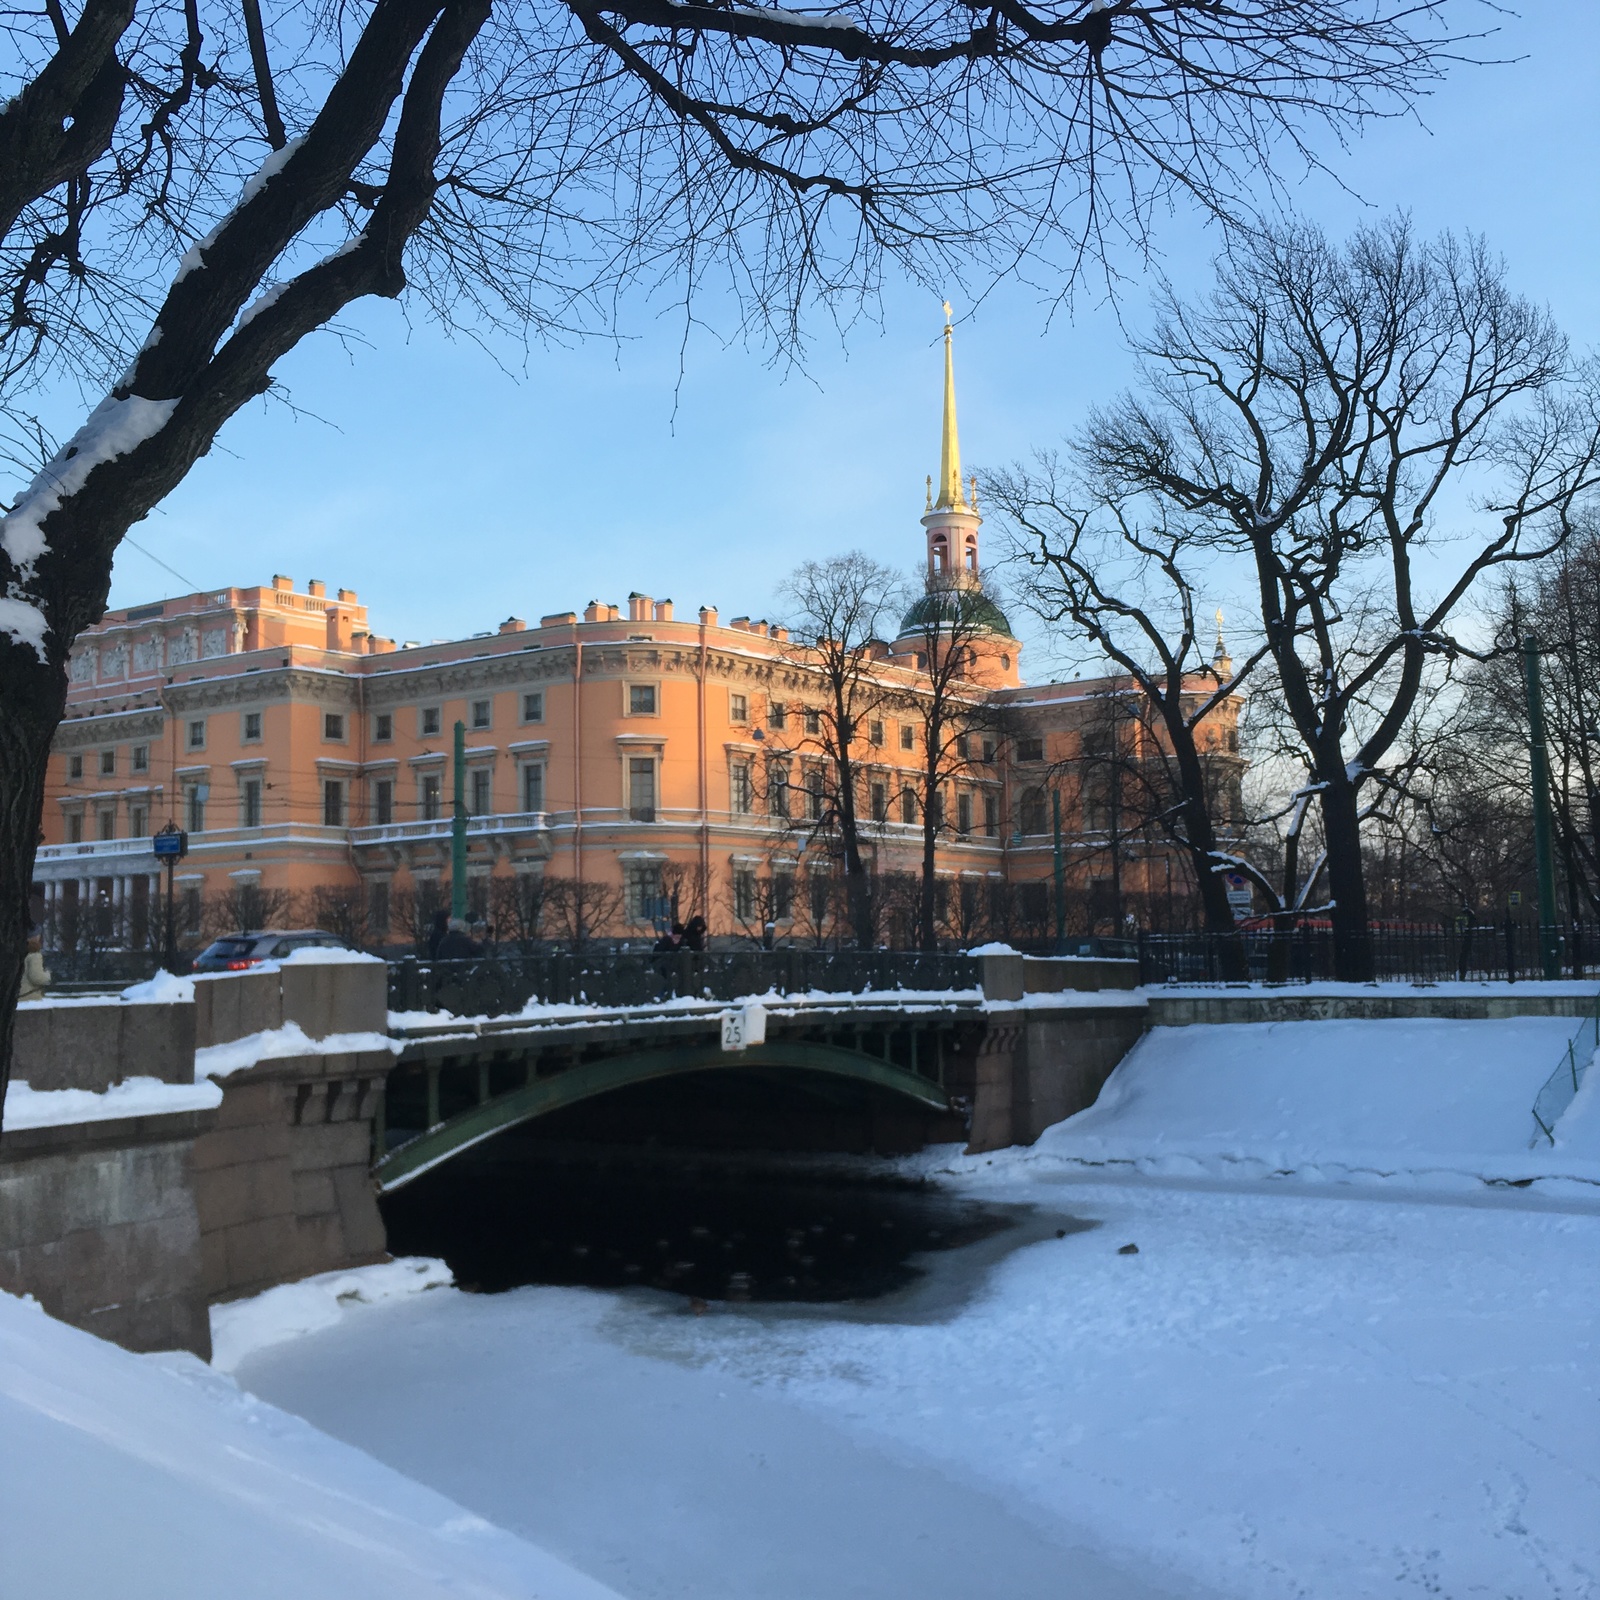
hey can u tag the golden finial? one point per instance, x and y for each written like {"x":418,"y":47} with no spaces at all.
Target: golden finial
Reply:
{"x":929,"y":505}
{"x":950,"y":495}
{"x":973,"y":490}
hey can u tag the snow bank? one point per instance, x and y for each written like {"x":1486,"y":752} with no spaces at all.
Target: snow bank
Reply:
{"x":1432,"y":1102}
{"x":164,"y":988}
{"x":242,"y":1327}
{"x":154,"y":1478}
{"x":27,"y":1107}
{"x":218,"y":1060}
{"x":328,"y":955}
{"x":994,"y":948}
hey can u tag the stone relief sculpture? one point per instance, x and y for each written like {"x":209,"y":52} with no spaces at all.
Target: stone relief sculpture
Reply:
{"x":181,"y":648}
{"x":114,"y":662}
{"x":214,"y":642}
{"x":147,"y":654}
{"x":83,"y":666}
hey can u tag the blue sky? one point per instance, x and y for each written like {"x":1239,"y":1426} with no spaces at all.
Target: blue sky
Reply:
{"x":450,"y":495}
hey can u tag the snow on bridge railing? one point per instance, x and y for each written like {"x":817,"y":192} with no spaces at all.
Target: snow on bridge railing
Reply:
{"x":494,"y":985}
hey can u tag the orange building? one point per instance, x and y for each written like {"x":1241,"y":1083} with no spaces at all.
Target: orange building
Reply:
{"x":628,"y":756}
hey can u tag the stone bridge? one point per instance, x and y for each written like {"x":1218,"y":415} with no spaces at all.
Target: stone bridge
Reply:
{"x":323,"y":1100}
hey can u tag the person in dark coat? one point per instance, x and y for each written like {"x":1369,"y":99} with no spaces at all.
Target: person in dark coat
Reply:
{"x":694,"y":933}
{"x":457,"y":943}
{"x":669,"y":943}
{"x":437,"y":929}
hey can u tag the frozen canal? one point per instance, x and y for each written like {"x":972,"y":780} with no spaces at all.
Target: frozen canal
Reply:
{"x":1276,"y":1395}
{"x":1353,"y":1355}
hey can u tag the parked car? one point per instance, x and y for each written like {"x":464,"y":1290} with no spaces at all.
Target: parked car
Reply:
{"x":237,"y":952}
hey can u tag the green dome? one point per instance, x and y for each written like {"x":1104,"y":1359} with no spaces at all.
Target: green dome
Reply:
{"x":970,"y":609}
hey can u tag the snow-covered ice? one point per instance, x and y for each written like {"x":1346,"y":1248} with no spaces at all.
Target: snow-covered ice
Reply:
{"x":155,"y":1478}
{"x":1330,"y":1391}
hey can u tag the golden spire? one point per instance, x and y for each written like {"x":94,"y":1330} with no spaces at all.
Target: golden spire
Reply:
{"x":951,"y":495}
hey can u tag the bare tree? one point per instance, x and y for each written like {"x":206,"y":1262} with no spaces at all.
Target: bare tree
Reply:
{"x":527,"y":165}
{"x":1127,"y":588}
{"x":1322,"y":415}
{"x":838,"y":610}
{"x":519,"y":906}
{"x":245,"y":908}
{"x":577,"y":913}
{"x":961,"y":728}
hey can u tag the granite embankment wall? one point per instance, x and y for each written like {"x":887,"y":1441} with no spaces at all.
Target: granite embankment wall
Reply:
{"x":132,"y":1226}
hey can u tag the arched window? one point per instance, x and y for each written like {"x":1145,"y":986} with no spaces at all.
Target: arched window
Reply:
{"x":972,"y":556}
{"x":941,"y":555}
{"x":1005,"y":663}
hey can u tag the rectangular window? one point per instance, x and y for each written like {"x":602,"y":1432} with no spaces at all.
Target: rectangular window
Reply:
{"x":383,"y":803}
{"x":197,"y":734}
{"x":195,"y":798}
{"x":908,"y":805}
{"x":138,"y":822}
{"x":1030,"y":749}
{"x":988,"y":749}
{"x":250,"y":803}
{"x":880,"y":802}
{"x":641,"y":699}
{"x":533,"y":787}
{"x":482,"y":713}
{"x":533,"y":706}
{"x":821,"y":895}
{"x":332,"y":803}
{"x":744,"y":894}
{"x":141,"y":758}
{"x":428,"y":796}
{"x":963,"y":813}
{"x":108,"y":824}
{"x":108,"y":763}
{"x":74,"y":768}
{"x":191,"y":908}
{"x":813,"y":720}
{"x":875,"y":732}
{"x":642,"y":788}
{"x":738,"y":708}
{"x":775,"y":715}
{"x":252,"y":727}
{"x":378,"y":910}
{"x":382,"y":733}
{"x":333,"y":726}
{"x":741,"y":790}
{"x":782,"y":896}
{"x":991,"y":816}
{"x":963,"y":747}
{"x":482,"y":804}
{"x":642,"y":887}
{"x":908,"y":736}
{"x":814,"y":796}
{"x":74,"y":827}
{"x":432,"y":721}
{"x":778,"y":788}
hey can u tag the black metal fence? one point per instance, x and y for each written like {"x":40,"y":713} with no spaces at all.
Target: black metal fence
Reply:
{"x":495,"y":985}
{"x":1440,"y":953}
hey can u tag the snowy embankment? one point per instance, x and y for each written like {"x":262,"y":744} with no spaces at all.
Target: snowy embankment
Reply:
{"x":156,"y":1477}
{"x":1429,"y":1103}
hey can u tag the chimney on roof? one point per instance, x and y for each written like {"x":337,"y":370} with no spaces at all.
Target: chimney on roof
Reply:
{"x":663,"y":611}
{"x":708,"y":616}
{"x":281,"y":582}
{"x":348,"y":595}
{"x":317,"y":588}
{"x":639,"y":607}
{"x":591,"y":612}
{"x":741,"y":623}
{"x":513,"y":625}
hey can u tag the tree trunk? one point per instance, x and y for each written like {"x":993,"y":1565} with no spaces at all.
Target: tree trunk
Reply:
{"x":32,"y":697}
{"x":1352,"y":940}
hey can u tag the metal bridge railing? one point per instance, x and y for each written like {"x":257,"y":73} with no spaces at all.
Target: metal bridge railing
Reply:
{"x":495,"y":985}
{"x":1440,"y":953}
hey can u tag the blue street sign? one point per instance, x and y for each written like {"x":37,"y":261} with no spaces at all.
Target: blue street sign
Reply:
{"x":171,"y":842}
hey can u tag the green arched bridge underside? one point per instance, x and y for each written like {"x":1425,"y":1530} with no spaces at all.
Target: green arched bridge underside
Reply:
{"x":584,"y":1082}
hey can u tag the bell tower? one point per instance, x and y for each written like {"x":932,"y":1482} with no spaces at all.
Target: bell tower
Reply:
{"x":952,"y":519}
